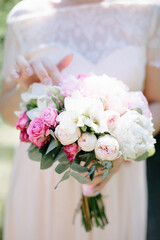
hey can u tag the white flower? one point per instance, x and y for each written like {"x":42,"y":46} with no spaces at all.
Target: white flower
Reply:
{"x":107,"y":148}
{"x":87,"y":142}
{"x":65,"y":137}
{"x":134,"y":134}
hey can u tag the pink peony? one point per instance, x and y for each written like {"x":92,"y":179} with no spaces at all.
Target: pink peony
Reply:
{"x":69,"y":85}
{"x":22,"y":121}
{"x":38,"y":132}
{"x":112,"y":119}
{"x":138,"y":100}
{"x":49,"y":116}
{"x":24,"y":136}
{"x":71,"y":151}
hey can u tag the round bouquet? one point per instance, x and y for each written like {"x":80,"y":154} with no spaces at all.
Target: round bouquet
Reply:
{"x":84,"y":125}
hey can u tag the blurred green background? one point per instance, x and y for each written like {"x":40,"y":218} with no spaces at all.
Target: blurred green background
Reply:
{"x":8,"y":135}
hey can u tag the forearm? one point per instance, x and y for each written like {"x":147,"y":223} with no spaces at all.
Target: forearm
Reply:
{"x":9,"y":102}
{"x":155,"y":109}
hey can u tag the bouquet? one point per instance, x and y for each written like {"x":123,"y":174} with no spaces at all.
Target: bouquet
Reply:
{"x":84,"y":125}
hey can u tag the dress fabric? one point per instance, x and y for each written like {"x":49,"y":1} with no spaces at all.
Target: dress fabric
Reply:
{"x":116,"y":38}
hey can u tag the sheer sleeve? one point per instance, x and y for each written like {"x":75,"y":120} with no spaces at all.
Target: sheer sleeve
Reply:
{"x":154,"y":39}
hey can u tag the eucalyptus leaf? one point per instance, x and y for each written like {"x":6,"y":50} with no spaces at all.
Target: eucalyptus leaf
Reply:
{"x":105,"y":175}
{"x":52,"y":134}
{"x":35,"y":154}
{"x":60,"y":155}
{"x":91,"y":170}
{"x":31,"y":147}
{"x":65,"y":177}
{"x":78,"y":168}
{"x":53,"y":144}
{"x":107,"y":164}
{"x":139,"y":110}
{"x":47,"y":161}
{"x":80,"y":178}
{"x":61,"y":167}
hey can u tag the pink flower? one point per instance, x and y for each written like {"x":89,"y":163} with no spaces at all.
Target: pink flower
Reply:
{"x":22,"y":121}
{"x":71,"y":151}
{"x":82,"y":76}
{"x":49,"y":116}
{"x":138,"y":100}
{"x":24,"y":136}
{"x":38,"y":132}
{"x":112,"y":119}
{"x":69,"y":85}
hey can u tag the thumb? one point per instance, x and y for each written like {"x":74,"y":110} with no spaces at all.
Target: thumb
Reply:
{"x":65,"y":62}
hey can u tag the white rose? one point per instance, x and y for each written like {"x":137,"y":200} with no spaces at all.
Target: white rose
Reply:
{"x":87,"y":142}
{"x":134,"y":134}
{"x":65,"y":137}
{"x":107,"y":148}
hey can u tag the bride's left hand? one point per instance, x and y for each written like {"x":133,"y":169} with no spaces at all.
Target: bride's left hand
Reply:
{"x":94,"y":187}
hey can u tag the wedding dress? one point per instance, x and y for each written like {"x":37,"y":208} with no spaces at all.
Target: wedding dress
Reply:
{"x":117,"y":38}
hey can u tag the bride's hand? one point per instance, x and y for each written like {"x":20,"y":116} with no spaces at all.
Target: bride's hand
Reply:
{"x":38,"y":70}
{"x":94,"y":187}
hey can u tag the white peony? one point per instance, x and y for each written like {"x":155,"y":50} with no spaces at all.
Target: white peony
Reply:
{"x":112,"y":118}
{"x":134,"y":134}
{"x":107,"y":148}
{"x":65,"y":137}
{"x":87,"y":142}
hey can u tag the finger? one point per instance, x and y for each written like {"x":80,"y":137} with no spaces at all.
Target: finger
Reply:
{"x":65,"y":62}
{"x":24,"y":67}
{"x":54,"y":74}
{"x":41,"y":72}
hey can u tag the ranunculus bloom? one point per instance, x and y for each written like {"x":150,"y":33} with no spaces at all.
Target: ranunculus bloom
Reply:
{"x":65,"y":137}
{"x":38,"y":132}
{"x":22,"y":121}
{"x":107,"y":148}
{"x":71,"y":151}
{"x":24,"y":136}
{"x":87,"y":142}
{"x":49,"y":116}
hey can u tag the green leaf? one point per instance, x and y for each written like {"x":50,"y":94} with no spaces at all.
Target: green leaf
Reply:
{"x":52,"y":134}
{"x":147,"y":154}
{"x":105,"y":175}
{"x":84,"y":128}
{"x":61,"y":98}
{"x":61,"y":155}
{"x":107,"y":164}
{"x":35,"y":154}
{"x":65,"y":177}
{"x":61,"y":167}
{"x":56,"y":102}
{"x":91,"y":170}
{"x":31,"y":147}
{"x":80,"y":178}
{"x":47,"y":161}
{"x":139,"y":110}
{"x":53,"y":144}
{"x":32,"y":104}
{"x":78,"y":168}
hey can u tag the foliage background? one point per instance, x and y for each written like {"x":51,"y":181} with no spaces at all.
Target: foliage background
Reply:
{"x":9,"y":141}
{"x":8,"y":135}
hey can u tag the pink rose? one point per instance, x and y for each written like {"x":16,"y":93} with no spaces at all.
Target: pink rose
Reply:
{"x":22,"y":121}
{"x":138,"y":100}
{"x":49,"y":116}
{"x":24,"y":136}
{"x":71,"y":151}
{"x":38,"y":132}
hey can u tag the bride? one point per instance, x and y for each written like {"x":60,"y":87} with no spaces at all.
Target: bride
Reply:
{"x":118,"y":38}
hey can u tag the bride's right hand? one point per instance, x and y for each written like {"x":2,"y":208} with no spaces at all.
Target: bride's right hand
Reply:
{"x":38,"y":70}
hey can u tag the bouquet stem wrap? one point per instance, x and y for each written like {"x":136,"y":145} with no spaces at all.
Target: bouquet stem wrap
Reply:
{"x":93,"y":212}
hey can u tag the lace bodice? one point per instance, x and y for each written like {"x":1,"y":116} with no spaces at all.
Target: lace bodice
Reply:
{"x":92,"y":32}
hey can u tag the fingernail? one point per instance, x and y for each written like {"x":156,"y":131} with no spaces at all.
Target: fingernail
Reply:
{"x":46,"y":81}
{"x":29,"y":71}
{"x":15,"y":75}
